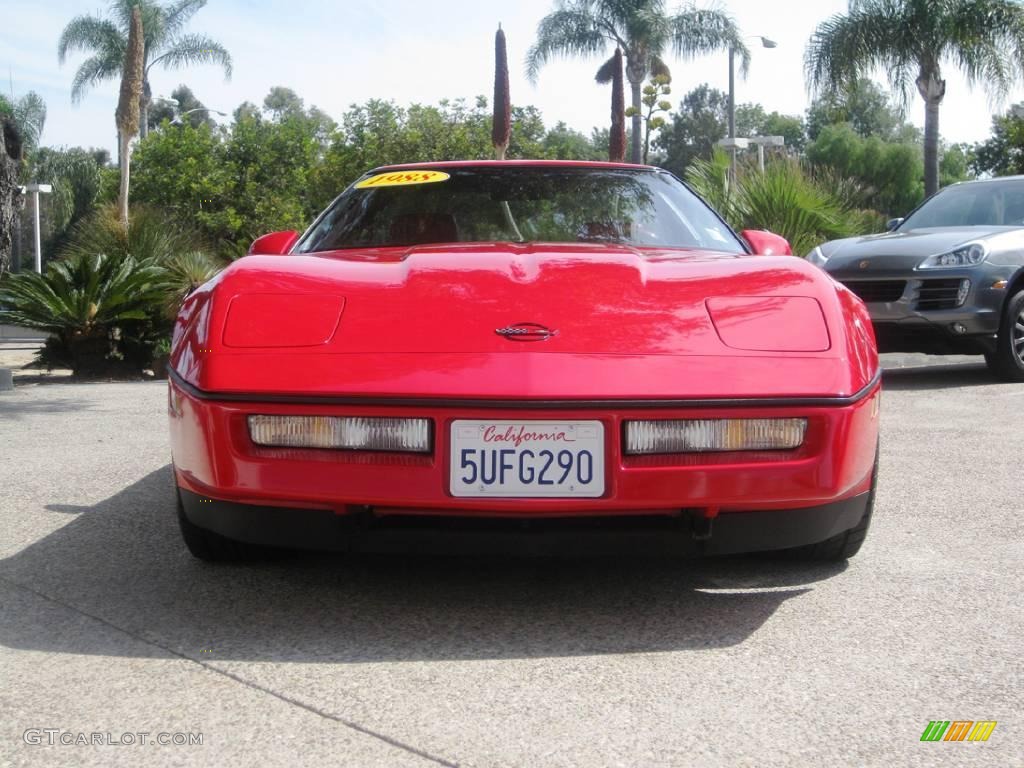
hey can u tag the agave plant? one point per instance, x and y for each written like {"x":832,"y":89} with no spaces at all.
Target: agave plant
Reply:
{"x":150,"y":235}
{"x":86,"y":303}
{"x":185,"y":272}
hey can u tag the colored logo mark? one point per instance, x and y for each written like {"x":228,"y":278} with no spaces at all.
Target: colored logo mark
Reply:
{"x":958,"y":730}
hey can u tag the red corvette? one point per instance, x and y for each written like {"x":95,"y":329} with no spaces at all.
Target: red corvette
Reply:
{"x":548,"y":355}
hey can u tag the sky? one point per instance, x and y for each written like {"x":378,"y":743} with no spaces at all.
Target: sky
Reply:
{"x":334,"y":53}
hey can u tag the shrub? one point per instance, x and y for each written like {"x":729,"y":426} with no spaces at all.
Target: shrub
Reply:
{"x":96,"y":307}
{"x":787,"y":199}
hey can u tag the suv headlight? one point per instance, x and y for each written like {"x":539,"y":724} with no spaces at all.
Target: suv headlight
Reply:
{"x":817,"y":258}
{"x":964,"y":256}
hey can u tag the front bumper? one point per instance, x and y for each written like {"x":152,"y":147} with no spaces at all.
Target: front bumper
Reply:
{"x":918,"y":312}
{"x":685,"y":533}
{"x":237,"y":481}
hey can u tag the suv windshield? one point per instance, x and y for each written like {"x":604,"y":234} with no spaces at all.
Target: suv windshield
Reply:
{"x":519,"y":204}
{"x":978,"y":204}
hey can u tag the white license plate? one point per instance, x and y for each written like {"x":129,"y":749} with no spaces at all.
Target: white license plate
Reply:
{"x":527,"y":459}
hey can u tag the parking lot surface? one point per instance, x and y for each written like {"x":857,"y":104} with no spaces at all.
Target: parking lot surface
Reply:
{"x":108,"y":626}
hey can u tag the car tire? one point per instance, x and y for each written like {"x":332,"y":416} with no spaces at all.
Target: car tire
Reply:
{"x":844,"y":545}
{"x":212,"y":547}
{"x":1007,"y":362}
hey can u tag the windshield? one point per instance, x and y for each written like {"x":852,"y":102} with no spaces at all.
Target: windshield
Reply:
{"x":979,"y":204}
{"x":519,"y":204}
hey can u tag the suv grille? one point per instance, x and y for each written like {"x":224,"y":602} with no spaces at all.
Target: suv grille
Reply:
{"x":878,"y":290}
{"x":940,"y":294}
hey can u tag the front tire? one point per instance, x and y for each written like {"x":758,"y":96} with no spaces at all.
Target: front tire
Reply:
{"x":1007,"y":362}
{"x":212,"y":547}
{"x":844,"y":545}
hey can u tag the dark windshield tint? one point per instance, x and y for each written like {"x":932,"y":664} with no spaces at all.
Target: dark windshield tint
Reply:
{"x":524,"y":204}
{"x":980,"y":204}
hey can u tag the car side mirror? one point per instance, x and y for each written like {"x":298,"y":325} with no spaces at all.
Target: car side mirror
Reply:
{"x":891,"y":224}
{"x":274,"y":244}
{"x":765,"y":243}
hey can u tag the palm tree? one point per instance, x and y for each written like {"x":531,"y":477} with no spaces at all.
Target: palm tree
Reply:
{"x":911,"y":40}
{"x":165,"y":44}
{"x":128,"y":105}
{"x":643,"y":30}
{"x":29,"y":115}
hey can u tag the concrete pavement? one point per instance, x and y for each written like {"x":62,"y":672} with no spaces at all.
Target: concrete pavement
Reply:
{"x":108,"y":625}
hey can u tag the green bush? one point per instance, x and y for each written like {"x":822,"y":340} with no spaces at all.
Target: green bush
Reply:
{"x":97,"y":308}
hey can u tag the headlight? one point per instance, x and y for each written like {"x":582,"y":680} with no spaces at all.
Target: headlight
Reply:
{"x":356,"y":433}
{"x":817,"y":258}
{"x":964,"y":256}
{"x":712,"y":435}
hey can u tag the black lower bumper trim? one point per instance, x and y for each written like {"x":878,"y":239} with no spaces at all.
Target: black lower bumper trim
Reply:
{"x":686,"y":534}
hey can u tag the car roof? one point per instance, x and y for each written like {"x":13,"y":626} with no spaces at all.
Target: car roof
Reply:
{"x":593,"y":164}
{"x":993,"y":180}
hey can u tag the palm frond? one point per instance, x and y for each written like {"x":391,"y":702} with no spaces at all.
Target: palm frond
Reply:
{"x":93,"y":71}
{"x":986,"y":39}
{"x":177,"y":15}
{"x":29,"y":113}
{"x":570,"y":31}
{"x":193,"y":49}
{"x":90,"y":33}
{"x":875,"y":34}
{"x":699,"y":31}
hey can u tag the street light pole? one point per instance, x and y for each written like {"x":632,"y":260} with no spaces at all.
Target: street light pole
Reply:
{"x":767,"y":43}
{"x":36,"y":189}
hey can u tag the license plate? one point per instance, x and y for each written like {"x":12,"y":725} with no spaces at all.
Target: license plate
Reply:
{"x":527,"y":459}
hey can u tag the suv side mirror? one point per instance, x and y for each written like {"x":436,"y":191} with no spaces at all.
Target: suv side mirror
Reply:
{"x":765,"y":243}
{"x":274,"y":244}
{"x":891,"y":224}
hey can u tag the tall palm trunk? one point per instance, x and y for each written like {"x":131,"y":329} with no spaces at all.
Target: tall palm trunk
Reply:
{"x":636,"y":71}
{"x":933,"y":90}
{"x":128,"y":106}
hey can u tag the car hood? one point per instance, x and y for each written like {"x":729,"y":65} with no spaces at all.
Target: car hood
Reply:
{"x":431,"y":314}
{"x":899,"y":251}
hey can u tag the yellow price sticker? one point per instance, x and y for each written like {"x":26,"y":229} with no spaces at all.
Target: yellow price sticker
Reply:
{"x":402,"y":178}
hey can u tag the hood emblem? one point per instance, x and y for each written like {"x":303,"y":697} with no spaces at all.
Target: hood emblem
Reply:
{"x":865,"y":264}
{"x":526,"y":332}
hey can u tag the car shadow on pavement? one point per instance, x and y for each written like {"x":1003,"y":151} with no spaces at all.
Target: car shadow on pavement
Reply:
{"x":122,"y":563}
{"x":938,"y":377}
{"x":13,"y":407}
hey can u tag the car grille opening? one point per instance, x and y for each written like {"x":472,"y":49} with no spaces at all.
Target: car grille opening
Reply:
{"x":940,"y":294}
{"x":877,"y":291}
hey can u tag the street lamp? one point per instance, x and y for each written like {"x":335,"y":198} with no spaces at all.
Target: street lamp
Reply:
{"x":766,"y":141}
{"x":766,"y":43}
{"x":177,"y":121}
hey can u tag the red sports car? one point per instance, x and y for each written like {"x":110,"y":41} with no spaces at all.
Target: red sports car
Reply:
{"x":546,"y":356}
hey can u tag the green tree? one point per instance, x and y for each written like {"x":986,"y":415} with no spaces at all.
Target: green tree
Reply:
{"x":694,"y":128}
{"x":283,"y":102}
{"x":643,"y":30}
{"x":1002,"y":154}
{"x":165,"y":44}
{"x":911,"y":40}
{"x":863,"y":104}
{"x":891,"y":172}
{"x":192,"y":110}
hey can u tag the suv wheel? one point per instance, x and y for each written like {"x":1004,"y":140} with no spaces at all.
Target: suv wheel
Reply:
{"x":1007,"y":362}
